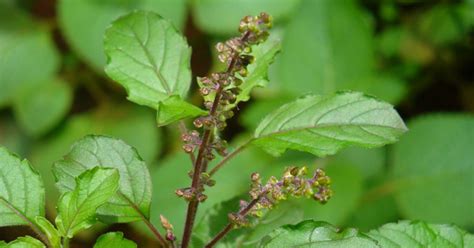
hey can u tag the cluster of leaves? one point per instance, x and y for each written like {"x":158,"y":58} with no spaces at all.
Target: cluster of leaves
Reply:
{"x":431,"y":161}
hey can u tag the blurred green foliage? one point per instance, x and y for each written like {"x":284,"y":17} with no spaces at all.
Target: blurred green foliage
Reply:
{"x":418,"y":55}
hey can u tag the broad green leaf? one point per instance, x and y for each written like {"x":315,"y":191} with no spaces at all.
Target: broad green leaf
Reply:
{"x":83,"y":22}
{"x":132,"y":200}
{"x":49,"y":230}
{"x":421,"y":234}
{"x":21,"y":191}
{"x":324,"y":125}
{"x":25,"y":242}
{"x":433,"y":164}
{"x":135,"y":125}
{"x":221,"y":17}
{"x":148,"y":57}
{"x":326,"y":47}
{"x":372,"y":213}
{"x":77,"y":208}
{"x":42,"y":106}
{"x":264,"y":55}
{"x":114,"y":239}
{"x":27,"y":53}
{"x":316,"y":234}
{"x":444,"y":24}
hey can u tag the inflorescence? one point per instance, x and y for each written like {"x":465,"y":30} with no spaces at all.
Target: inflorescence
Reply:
{"x":293,"y":183}
{"x":220,"y":91}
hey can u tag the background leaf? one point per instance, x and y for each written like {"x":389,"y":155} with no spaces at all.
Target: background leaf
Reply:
{"x":84,"y":22}
{"x":114,"y":239}
{"x":77,"y":208}
{"x":43,"y":106}
{"x":21,"y":38}
{"x":132,"y":200}
{"x":21,"y":191}
{"x":324,"y":125}
{"x":219,"y":17}
{"x":433,"y":163}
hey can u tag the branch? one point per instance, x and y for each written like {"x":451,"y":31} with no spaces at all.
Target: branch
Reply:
{"x":242,"y":213}
{"x":228,"y":157}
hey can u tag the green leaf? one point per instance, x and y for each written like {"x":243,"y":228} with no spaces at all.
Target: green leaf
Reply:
{"x":83,"y":22}
{"x":114,"y":239}
{"x":21,"y":191}
{"x":132,"y":200}
{"x":336,"y":51}
{"x":77,"y":208}
{"x":173,"y":108}
{"x":316,"y":234}
{"x":148,"y":57}
{"x":221,"y":17}
{"x":133,"y":124}
{"x":324,"y":125}
{"x":421,"y":234}
{"x":43,"y":106}
{"x":433,"y":165}
{"x":264,"y":55}
{"x":21,"y":38}
{"x":25,"y":242}
{"x":49,"y":230}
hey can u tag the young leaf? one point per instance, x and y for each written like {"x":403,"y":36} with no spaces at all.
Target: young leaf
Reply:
{"x":316,"y":234}
{"x":148,"y":56}
{"x":21,"y":191}
{"x":133,"y":197}
{"x":114,"y":239}
{"x":433,"y":162}
{"x":77,"y":208}
{"x":49,"y":230}
{"x":324,"y":125}
{"x":421,"y":234}
{"x":24,"y":242}
{"x":264,"y":55}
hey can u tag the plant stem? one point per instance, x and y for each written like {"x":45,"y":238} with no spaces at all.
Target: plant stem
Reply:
{"x":201,"y":162}
{"x":30,"y":223}
{"x":198,"y":166}
{"x":229,"y":226}
{"x":65,"y":242}
{"x":228,"y":157}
